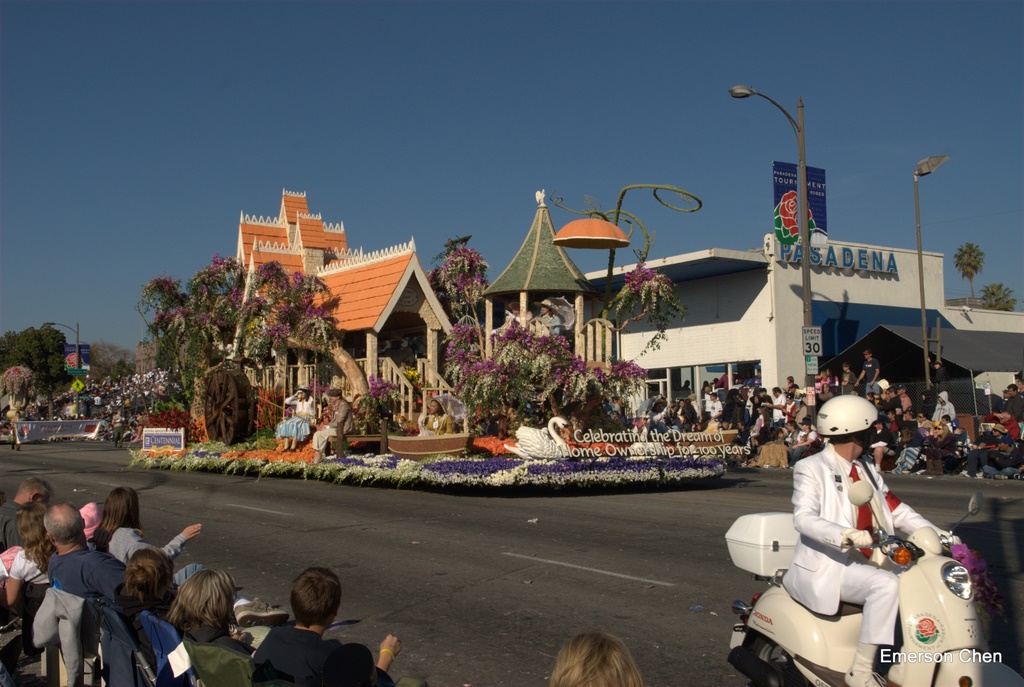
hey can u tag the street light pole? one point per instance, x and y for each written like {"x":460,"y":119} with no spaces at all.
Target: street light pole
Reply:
{"x":924,"y":168}
{"x":803,"y":211}
{"x":78,"y":346}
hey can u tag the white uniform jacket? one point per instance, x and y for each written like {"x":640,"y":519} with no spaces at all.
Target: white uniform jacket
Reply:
{"x":821,"y":511}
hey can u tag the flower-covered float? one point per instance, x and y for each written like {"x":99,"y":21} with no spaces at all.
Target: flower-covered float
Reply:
{"x":514,"y":373}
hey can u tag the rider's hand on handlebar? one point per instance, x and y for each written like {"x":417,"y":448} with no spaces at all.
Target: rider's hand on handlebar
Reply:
{"x":948,"y":538}
{"x":859,"y":538}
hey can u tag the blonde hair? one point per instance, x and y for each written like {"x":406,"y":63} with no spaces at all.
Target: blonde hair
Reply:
{"x":38,"y":547}
{"x":595,"y":659}
{"x":206,"y":599}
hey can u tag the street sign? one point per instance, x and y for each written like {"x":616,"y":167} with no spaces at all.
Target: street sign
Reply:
{"x":77,"y":385}
{"x":76,"y":371}
{"x":810,"y":364}
{"x":812,"y":343}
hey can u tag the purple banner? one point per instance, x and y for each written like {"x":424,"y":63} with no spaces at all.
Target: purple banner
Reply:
{"x":785,"y":178}
{"x":71,"y":360}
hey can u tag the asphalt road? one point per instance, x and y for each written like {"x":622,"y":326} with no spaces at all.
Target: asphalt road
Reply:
{"x":483,"y":590}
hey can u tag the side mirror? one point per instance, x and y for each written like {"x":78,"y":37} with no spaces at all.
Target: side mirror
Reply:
{"x":861,"y":492}
{"x":976,"y":502}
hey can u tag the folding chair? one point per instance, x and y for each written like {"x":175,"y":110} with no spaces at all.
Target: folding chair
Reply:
{"x":123,"y":660}
{"x":164,"y":639}
{"x":219,"y":666}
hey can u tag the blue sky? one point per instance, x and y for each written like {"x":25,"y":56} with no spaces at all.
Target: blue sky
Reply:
{"x":132,"y":134}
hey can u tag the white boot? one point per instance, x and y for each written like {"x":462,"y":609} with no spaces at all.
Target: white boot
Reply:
{"x":894,"y":678}
{"x":862,"y":672}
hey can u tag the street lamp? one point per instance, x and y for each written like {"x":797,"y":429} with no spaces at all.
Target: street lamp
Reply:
{"x":924,"y":168}
{"x":78,"y":347}
{"x":804,"y":212}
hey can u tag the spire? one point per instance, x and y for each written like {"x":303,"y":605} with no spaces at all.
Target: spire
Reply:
{"x":540,"y":265}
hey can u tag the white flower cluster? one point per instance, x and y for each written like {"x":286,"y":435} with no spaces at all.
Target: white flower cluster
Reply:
{"x":443,"y":472}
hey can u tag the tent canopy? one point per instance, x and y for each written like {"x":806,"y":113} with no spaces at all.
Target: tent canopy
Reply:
{"x":964,"y":353}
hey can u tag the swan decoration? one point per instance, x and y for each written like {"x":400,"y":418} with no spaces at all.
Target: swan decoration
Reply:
{"x":535,"y":444}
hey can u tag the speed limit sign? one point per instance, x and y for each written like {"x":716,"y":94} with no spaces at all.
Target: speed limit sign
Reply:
{"x":812,"y":340}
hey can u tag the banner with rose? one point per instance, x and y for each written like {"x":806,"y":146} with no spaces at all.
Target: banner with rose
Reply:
{"x":785,"y":178}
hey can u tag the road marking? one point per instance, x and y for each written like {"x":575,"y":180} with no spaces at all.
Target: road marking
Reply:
{"x":262,"y":510}
{"x":593,"y":570}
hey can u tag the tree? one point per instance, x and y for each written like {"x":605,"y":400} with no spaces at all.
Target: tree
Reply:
{"x":969,"y":260}
{"x":42,"y":351}
{"x":528,"y":371}
{"x":226,"y":316}
{"x":998,"y":297}
{"x":460,"y":282}
{"x":107,"y":359}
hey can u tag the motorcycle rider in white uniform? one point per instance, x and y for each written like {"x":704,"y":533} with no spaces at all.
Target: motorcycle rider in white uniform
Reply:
{"x":828,"y":565}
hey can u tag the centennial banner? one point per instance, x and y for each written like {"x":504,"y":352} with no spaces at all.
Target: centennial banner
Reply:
{"x":47,"y":429}
{"x":154,"y":438}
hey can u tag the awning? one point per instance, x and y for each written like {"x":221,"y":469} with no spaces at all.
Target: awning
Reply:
{"x":964,"y":352}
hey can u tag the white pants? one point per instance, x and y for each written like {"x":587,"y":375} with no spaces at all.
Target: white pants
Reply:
{"x":321,"y":436}
{"x":878,"y":591}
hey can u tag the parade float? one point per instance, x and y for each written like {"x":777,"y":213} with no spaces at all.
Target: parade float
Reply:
{"x":297,"y":307}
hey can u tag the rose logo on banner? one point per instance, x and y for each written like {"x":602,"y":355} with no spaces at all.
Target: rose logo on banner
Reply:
{"x":787,"y":223}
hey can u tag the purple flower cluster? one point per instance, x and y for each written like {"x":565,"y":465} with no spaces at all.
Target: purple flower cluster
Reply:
{"x":987,"y":595}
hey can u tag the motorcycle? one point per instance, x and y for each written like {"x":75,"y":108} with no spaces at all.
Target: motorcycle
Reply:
{"x":780,"y":643}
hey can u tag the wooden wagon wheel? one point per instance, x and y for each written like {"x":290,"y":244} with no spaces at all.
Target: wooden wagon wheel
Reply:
{"x":228,"y":404}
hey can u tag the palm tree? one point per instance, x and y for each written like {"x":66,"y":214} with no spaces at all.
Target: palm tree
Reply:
{"x":998,"y":297}
{"x":968,"y":260}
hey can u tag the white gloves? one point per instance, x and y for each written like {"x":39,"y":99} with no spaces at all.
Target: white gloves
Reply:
{"x":859,"y":538}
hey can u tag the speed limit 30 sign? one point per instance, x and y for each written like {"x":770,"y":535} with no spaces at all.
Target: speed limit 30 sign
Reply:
{"x":812,"y":340}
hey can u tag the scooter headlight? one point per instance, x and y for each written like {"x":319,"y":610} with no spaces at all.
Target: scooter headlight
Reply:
{"x":957,"y":580}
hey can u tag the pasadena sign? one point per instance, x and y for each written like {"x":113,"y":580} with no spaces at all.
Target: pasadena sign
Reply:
{"x":843,"y":257}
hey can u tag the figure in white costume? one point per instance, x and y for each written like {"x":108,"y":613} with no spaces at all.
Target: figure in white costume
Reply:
{"x":829,"y":563}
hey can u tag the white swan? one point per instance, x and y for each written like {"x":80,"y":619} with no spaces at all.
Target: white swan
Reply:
{"x":547,"y":443}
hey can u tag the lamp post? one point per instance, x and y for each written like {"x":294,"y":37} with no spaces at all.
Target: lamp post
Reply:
{"x":924,"y":168}
{"x":740,"y":91}
{"x":78,"y":347}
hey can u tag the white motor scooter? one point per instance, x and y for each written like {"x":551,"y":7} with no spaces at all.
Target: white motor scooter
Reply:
{"x":780,"y":643}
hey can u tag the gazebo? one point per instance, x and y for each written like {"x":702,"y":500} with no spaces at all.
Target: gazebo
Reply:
{"x":541,"y":270}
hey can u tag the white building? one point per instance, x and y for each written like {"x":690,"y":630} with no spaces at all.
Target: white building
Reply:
{"x":745,"y":310}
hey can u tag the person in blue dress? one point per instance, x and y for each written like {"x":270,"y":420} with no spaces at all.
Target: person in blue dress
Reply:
{"x":295,"y":429}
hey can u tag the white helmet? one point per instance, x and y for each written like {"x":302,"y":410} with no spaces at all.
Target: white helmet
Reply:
{"x":846,"y":415}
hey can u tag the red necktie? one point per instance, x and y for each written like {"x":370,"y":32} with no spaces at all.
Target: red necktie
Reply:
{"x":864,"y":519}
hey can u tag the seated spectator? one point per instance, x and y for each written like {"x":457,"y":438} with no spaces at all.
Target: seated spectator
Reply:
{"x":203,"y":610}
{"x":297,"y":653}
{"x":882,"y":444}
{"x":148,"y":586}
{"x":595,"y":660}
{"x":993,"y":447}
{"x":350,"y":665}
{"x":939,"y":445}
{"x":32,"y":490}
{"x":121,"y":519}
{"x":27,"y":577}
{"x":92,"y":516}
{"x":807,"y":438}
{"x":1006,"y":420}
{"x":1005,"y":461}
{"x":73,"y":567}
